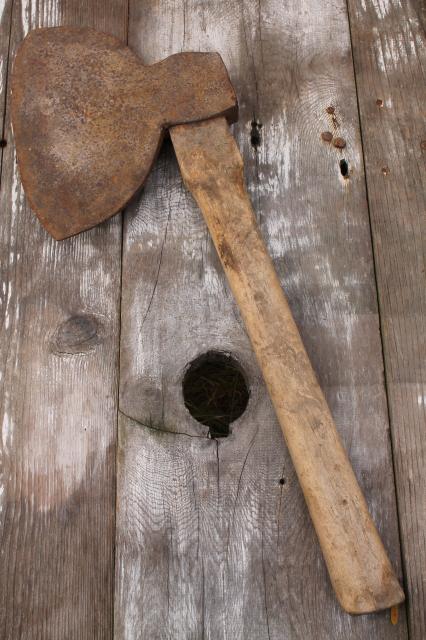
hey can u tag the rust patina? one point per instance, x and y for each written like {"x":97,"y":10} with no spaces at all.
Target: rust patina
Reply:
{"x":89,"y":119}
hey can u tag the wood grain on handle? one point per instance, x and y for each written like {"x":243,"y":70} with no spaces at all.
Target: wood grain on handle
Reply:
{"x":359,"y":568}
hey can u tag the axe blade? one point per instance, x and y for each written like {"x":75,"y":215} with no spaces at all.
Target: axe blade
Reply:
{"x":89,"y":118}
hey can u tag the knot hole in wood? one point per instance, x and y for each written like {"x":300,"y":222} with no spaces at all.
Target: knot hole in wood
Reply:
{"x":215,"y":391}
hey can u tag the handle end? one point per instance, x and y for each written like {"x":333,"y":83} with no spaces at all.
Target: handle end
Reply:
{"x":367,"y":600}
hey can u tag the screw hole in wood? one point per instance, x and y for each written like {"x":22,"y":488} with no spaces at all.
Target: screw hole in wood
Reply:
{"x":255,"y":134}
{"x":215,"y":391}
{"x":344,"y":168}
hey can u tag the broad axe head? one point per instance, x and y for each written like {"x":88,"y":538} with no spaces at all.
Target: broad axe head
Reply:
{"x":89,"y":119}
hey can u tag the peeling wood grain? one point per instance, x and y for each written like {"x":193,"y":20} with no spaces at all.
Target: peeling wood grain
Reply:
{"x":59,"y":318}
{"x":209,"y":543}
{"x":390,"y":64}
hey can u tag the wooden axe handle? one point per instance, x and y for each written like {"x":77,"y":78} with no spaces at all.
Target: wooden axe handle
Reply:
{"x":359,"y":568}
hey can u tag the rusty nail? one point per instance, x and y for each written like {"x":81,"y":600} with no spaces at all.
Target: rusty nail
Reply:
{"x":379,"y":102}
{"x":330,"y":109}
{"x":327,"y":136}
{"x":339,"y":143}
{"x":385,"y":170}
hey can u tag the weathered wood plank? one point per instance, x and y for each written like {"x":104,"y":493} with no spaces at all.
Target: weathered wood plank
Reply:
{"x":5,"y":23}
{"x":390,"y":63}
{"x":59,"y":316}
{"x":209,"y":543}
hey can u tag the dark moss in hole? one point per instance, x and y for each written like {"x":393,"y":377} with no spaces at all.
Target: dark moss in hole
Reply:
{"x":344,"y":168}
{"x":215,"y":391}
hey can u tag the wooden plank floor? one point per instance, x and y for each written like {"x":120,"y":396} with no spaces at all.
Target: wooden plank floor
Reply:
{"x":389,"y":47}
{"x":205,"y":541}
{"x":59,"y":358}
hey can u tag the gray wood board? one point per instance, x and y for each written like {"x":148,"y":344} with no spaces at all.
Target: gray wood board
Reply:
{"x":209,"y":544}
{"x":59,"y":316}
{"x":5,"y":24}
{"x":390,"y":63}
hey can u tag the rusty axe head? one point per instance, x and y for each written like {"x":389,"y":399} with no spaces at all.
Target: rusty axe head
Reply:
{"x":89,"y":118}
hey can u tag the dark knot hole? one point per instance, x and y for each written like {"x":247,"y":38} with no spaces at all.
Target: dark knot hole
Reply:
{"x":215,"y":391}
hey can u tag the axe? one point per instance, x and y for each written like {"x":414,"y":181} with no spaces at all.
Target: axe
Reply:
{"x":89,"y":119}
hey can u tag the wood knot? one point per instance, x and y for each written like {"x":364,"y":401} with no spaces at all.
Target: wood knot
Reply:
{"x":78,"y":334}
